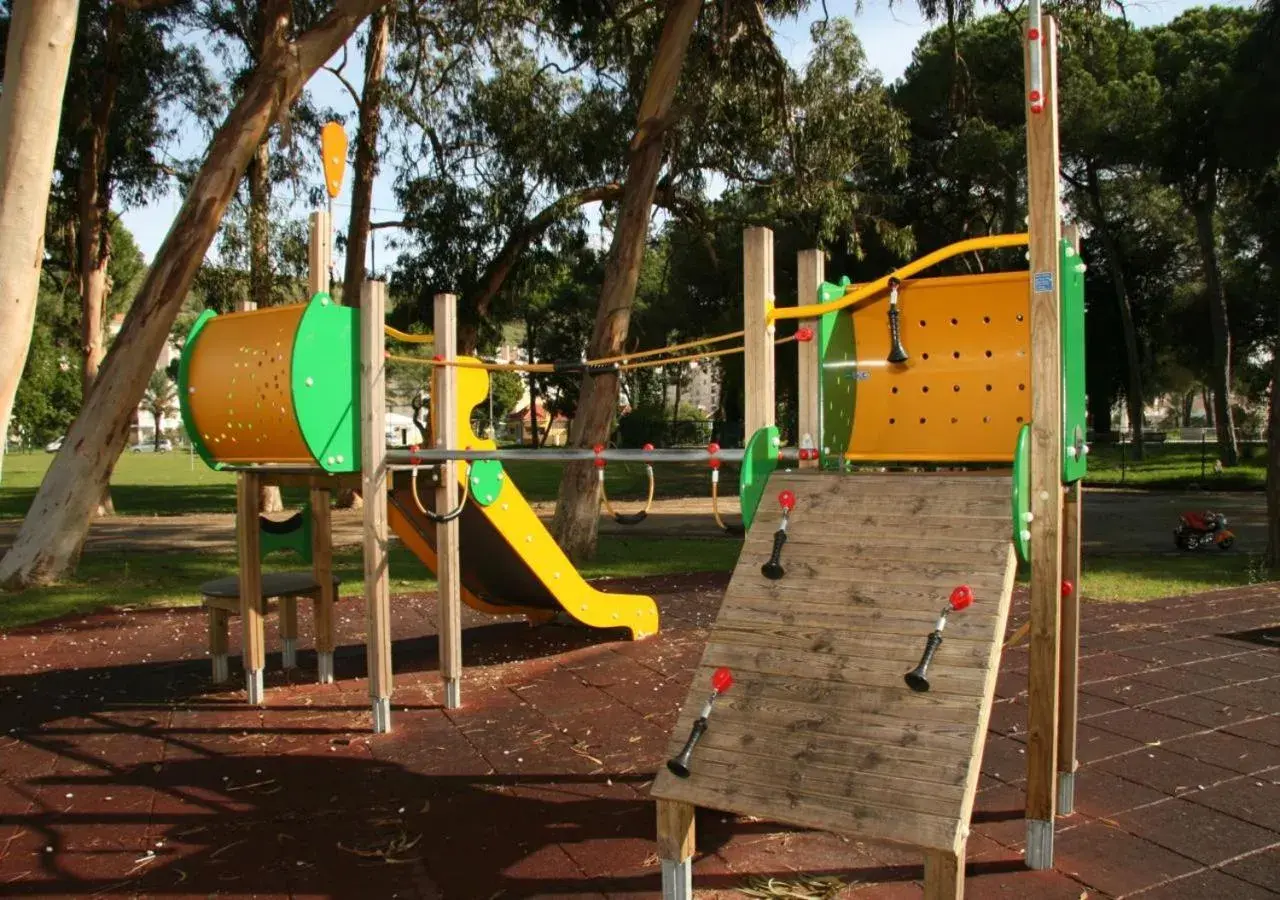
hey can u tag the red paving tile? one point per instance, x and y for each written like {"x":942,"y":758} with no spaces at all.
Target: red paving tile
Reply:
{"x":538,"y":786}
{"x":1208,"y":885}
{"x":1197,"y":832}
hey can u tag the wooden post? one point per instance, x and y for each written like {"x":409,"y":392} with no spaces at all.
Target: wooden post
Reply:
{"x":288,"y":624}
{"x":319,"y":253}
{"x":1044,"y":225}
{"x":444,"y":426}
{"x":757,"y":289}
{"x":218,"y":643}
{"x":249,"y":547}
{"x":944,"y":874}
{"x":322,"y":572}
{"x":810,"y":271}
{"x":373,"y":434}
{"x":1069,"y":647}
{"x":675,"y":848}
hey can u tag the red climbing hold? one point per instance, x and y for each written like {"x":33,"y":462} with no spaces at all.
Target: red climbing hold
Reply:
{"x":647,"y":447}
{"x":1033,"y":34}
{"x":787,"y":500}
{"x":721,"y":680}
{"x":438,"y":358}
{"x":713,"y":448}
{"x":1067,"y":588}
{"x":715,"y":463}
{"x":804,"y":334}
{"x":961,"y":597}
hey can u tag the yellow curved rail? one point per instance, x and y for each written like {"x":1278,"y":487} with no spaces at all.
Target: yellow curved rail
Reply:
{"x":853,"y":295}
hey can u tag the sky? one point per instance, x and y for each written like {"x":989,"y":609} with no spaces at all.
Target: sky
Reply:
{"x":889,"y":33}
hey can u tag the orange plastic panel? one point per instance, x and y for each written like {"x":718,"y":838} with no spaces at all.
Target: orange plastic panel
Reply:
{"x":240,"y":387}
{"x":965,"y":389}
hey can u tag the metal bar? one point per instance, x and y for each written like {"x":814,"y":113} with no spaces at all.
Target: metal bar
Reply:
{"x":402,"y":459}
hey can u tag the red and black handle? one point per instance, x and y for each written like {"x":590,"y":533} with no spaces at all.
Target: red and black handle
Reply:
{"x":918,"y":678}
{"x":678,"y":765}
{"x":773,"y":568}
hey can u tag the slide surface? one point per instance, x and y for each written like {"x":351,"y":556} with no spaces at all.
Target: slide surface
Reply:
{"x":510,"y":562}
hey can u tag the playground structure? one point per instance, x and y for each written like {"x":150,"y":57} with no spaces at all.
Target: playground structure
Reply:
{"x":818,"y":627}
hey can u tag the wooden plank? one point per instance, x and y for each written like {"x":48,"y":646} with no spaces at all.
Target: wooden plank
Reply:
{"x":864,"y":750}
{"x":338,"y":482}
{"x":757,"y":286}
{"x":1069,"y":636}
{"x":975,"y":627}
{"x":944,"y":874}
{"x":444,"y":425}
{"x":1044,"y":224}
{"x":373,"y":431}
{"x":319,"y":253}
{"x":249,"y":547}
{"x":676,"y":832}
{"x":810,"y":272}
{"x":322,"y":567}
{"x":888,"y":651}
{"x":218,"y":637}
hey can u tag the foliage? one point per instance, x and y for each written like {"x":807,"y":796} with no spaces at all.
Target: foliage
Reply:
{"x":160,"y":399}
{"x":49,"y":392}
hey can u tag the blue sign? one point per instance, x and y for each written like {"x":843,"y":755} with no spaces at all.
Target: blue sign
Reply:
{"x":1042,"y":283}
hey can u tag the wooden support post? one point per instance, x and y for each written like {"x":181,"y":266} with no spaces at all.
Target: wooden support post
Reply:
{"x":760,"y":410}
{"x":1044,"y":225}
{"x":288,"y":623}
{"x":675,"y":848}
{"x":322,"y":572}
{"x":319,"y":253}
{"x":1069,"y":647}
{"x":944,"y":874}
{"x":249,"y":547}
{"x":444,"y":430}
{"x":810,"y":271}
{"x":373,"y":434}
{"x":218,"y":643}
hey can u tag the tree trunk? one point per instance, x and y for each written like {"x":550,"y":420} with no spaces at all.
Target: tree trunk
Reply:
{"x":54,"y":529}
{"x":1272,"y":558}
{"x":578,"y":508}
{"x":1219,"y":322}
{"x":1135,"y":400}
{"x":94,"y":203}
{"x":38,"y":52}
{"x":260,"y":280}
{"x":366,"y":165}
{"x":1188,"y":400}
{"x":1206,"y":400}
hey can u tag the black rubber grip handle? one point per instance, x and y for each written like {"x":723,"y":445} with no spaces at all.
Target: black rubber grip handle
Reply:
{"x":734,"y":530}
{"x":918,"y":678}
{"x":773,"y":568}
{"x":678,"y":765}
{"x":897,"y":352}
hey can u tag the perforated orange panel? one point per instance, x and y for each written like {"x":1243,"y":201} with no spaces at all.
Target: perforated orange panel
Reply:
{"x":965,"y":389}
{"x":240,"y":387}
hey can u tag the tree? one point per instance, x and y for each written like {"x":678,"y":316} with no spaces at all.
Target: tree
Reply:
{"x":54,"y":529}
{"x":1195,"y":60}
{"x":38,"y":52}
{"x":160,"y":399}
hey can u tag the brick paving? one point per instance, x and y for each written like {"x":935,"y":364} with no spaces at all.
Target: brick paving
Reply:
{"x":124,"y":772}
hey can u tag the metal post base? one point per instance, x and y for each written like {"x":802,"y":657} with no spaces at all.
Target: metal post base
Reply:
{"x":1039,"y":844}
{"x":253,"y":686}
{"x":452,"y":693}
{"x":289,"y":653}
{"x":677,"y":879}
{"x":1066,"y":793}
{"x":220,"y":668}
{"x":381,"y":715}
{"x":324,"y":667}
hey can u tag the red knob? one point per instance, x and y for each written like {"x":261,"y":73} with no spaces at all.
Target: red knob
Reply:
{"x":599,"y":462}
{"x":787,"y":500}
{"x":1067,"y":588}
{"x":598,"y":448}
{"x":438,"y":358}
{"x":713,"y":448}
{"x":961,"y":597}
{"x":647,"y":447}
{"x":1033,"y":34}
{"x":715,"y":463}
{"x":1034,"y":96}
{"x":804,"y":334}
{"x":721,"y":680}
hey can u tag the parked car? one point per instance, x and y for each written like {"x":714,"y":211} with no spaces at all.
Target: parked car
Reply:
{"x":150,"y":446}
{"x":54,"y":446}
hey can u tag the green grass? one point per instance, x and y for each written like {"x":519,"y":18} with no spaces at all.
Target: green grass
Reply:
{"x":1137,"y":578}
{"x":173,"y":484}
{"x":1175,"y":467}
{"x":142,"y":580}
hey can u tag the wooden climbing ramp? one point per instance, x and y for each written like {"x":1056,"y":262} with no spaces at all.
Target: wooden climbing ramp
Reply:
{"x":819,"y":728}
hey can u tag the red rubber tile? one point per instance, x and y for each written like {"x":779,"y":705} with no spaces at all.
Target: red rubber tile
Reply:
{"x":1256,"y":697}
{"x":1208,"y":885}
{"x":1004,"y":759}
{"x":1255,"y":799}
{"x":1264,"y":728}
{"x":1194,"y":831}
{"x":1101,"y":795}
{"x":1094,"y":744}
{"x":1261,"y":869}
{"x":1164,"y":771}
{"x":1226,"y":750}
{"x":1115,"y":862}
{"x":1202,"y":710}
{"x":1182,"y":679}
{"x":1129,"y":691}
{"x":1109,"y":665}
{"x":1143,"y":725}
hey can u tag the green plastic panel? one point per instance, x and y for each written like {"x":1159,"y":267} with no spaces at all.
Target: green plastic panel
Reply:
{"x":1074,"y":459}
{"x":837,"y":378}
{"x":184,"y":390}
{"x":1022,"y":493}
{"x":759,"y":459}
{"x":485,"y":480}
{"x":326,"y":383}
{"x":297,"y":541}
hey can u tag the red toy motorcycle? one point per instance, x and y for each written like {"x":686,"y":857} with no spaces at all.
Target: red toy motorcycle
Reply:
{"x":1206,"y":529}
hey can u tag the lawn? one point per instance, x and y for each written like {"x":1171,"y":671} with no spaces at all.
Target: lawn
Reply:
{"x":171,"y":484}
{"x":139,"y":580}
{"x":1176,"y":467}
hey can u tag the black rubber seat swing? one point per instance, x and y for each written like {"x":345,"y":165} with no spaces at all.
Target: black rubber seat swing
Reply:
{"x":634,"y":518}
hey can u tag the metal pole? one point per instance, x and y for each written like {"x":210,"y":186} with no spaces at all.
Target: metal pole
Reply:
{"x":398,"y":458}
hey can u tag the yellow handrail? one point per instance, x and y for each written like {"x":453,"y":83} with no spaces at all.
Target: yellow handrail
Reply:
{"x":854,"y":294}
